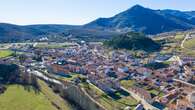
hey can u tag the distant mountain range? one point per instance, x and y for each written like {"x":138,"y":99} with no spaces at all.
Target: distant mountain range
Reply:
{"x":146,"y":20}
{"x":137,"y":18}
{"x":12,"y":33}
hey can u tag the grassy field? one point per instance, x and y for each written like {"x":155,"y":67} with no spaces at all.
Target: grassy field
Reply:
{"x":5,"y":53}
{"x":127,"y":83}
{"x":188,"y":52}
{"x":173,"y":45}
{"x":54,"y":98}
{"x":52,"y":45}
{"x":179,"y":37}
{"x":17,"y":98}
{"x":156,"y":92}
{"x":190,"y":44}
{"x":71,"y":77}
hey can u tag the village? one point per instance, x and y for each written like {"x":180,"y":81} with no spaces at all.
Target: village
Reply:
{"x":158,"y":82}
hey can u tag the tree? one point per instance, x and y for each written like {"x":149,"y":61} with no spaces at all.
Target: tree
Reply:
{"x":22,"y":59}
{"x":9,"y":73}
{"x":38,"y":56}
{"x":34,"y":82}
{"x":133,"y":41}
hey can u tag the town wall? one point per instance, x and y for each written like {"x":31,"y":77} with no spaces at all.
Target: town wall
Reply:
{"x":78,"y":95}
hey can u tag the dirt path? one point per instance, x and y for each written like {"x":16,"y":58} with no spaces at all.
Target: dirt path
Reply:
{"x":187,"y":36}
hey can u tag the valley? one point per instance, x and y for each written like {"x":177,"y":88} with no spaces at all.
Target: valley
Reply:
{"x":139,"y":59}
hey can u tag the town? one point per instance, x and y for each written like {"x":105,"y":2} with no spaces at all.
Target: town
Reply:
{"x":133,"y":80}
{"x":97,"y":55}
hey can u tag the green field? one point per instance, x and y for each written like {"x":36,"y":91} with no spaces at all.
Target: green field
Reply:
{"x":179,"y":37}
{"x":188,"y":52}
{"x":190,"y":44}
{"x":189,"y":49}
{"x":52,"y":45}
{"x":5,"y":53}
{"x":71,"y":77}
{"x":17,"y":98}
{"x":130,"y":83}
{"x":127,"y":83}
{"x":54,"y":98}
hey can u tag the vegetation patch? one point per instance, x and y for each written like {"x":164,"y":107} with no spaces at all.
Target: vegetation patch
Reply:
{"x":127,"y":83}
{"x":8,"y":73}
{"x":51,"y":45}
{"x":179,"y":37}
{"x":156,"y":65}
{"x":53,"y":97}
{"x":108,"y":102}
{"x":133,"y":41}
{"x":17,"y":98}
{"x":190,"y":44}
{"x":70,"y":76}
{"x":5,"y":53}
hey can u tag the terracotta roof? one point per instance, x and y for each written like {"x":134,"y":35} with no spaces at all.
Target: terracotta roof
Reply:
{"x":141,"y":92}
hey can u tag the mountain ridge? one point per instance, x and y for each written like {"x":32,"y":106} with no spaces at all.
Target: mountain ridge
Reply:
{"x":139,"y":18}
{"x":12,"y":32}
{"x":136,"y":18}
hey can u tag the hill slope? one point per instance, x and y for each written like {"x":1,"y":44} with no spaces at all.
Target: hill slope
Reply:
{"x":10,"y":32}
{"x":143,"y":19}
{"x":16,"y":98}
{"x":133,"y":41}
{"x":137,"y":18}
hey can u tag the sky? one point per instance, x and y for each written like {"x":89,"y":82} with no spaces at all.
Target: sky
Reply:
{"x":76,"y":12}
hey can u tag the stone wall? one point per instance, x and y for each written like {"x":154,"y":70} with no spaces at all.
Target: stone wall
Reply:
{"x":78,"y":95}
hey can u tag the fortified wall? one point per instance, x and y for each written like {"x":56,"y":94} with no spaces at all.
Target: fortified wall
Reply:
{"x":77,"y":95}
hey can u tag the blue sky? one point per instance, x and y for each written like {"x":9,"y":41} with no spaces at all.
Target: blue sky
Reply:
{"x":25,"y":12}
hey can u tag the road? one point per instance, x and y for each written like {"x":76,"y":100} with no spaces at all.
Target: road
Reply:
{"x":187,"y":36}
{"x":189,"y":84}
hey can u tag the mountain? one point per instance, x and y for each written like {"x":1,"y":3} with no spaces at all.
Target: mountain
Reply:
{"x":133,"y":41}
{"x":189,"y":15}
{"x":137,"y":18}
{"x":143,"y":19}
{"x":10,"y":32}
{"x":192,"y":14}
{"x":16,"y":32}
